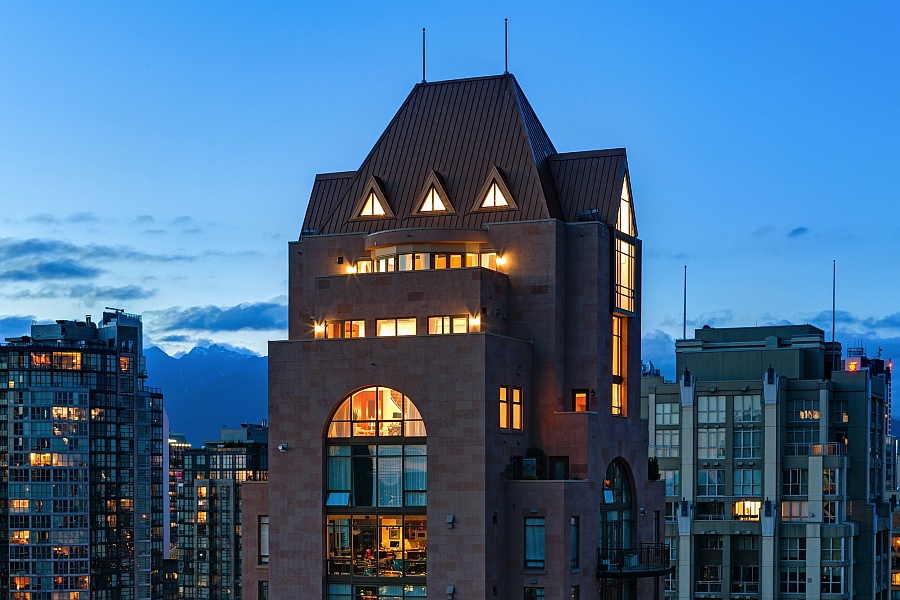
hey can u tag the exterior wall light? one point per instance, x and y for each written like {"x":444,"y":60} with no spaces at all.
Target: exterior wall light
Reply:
{"x":501,"y":260}
{"x":475,"y":321}
{"x":319,"y":328}
{"x":282,"y":447}
{"x":351,"y":269}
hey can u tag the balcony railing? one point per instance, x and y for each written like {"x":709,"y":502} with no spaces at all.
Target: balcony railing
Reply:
{"x":709,"y":586}
{"x":744,"y":587}
{"x":649,"y":560}
{"x":797,"y":449}
{"x":829,"y":449}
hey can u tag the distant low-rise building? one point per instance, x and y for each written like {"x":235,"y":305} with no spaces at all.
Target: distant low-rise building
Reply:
{"x":772,"y":450}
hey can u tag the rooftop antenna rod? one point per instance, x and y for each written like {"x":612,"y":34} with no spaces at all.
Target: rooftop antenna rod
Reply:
{"x":833,"y":288}
{"x":423,"y":55}
{"x":506,"y":63}
{"x":684,"y":323}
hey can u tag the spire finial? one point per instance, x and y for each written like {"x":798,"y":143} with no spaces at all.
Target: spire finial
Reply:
{"x":506,"y":63}
{"x":423,"y":55}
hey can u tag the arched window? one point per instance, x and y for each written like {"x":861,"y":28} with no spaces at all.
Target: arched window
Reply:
{"x":616,"y":513}
{"x":375,"y":498}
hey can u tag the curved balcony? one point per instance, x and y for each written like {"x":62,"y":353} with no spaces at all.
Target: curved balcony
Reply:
{"x":648,"y":560}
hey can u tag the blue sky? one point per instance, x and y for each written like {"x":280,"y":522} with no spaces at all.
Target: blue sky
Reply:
{"x":159,"y":156}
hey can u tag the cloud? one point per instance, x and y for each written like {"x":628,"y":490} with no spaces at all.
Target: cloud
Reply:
{"x":91,"y":294}
{"x":44,"y":218}
{"x":57,"y":269}
{"x":144,"y":219}
{"x":255,"y":316}
{"x":83,"y":217}
{"x":175,"y":338}
{"x":15,"y":325}
{"x":797,"y":232}
{"x":717,"y":318}
{"x":14,"y":249}
{"x":763,"y":231}
{"x":156,"y":231}
{"x":182,"y":221}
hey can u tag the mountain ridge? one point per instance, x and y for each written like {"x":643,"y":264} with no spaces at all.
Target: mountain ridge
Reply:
{"x":209,"y":387}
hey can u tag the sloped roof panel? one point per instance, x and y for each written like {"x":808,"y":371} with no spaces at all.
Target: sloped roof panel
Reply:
{"x":589,"y":180}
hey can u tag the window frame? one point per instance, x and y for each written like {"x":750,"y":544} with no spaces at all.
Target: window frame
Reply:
{"x":535,"y":529}
{"x":574,"y":406}
{"x":263,"y":541}
{"x":380,"y":322}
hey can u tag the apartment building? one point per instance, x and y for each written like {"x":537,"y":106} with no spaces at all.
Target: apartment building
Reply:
{"x":456,"y":411}
{"x":774,"y":465}
{"x":81,"y":440}
{"x":209,"y":511}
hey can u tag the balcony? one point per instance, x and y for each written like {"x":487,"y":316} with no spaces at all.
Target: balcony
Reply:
{"x":830,"y":449}
{"x":649,"y":560}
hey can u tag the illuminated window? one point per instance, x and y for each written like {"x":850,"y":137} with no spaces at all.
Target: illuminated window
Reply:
{"x":579,"y":400}
{"x":442,"y":325}
{"x":517,"y":409}
{"x":494,"y":198}
{"x":372,"y":207}
{"x":830,"y":484}
{"x":376,"y":411}
{"x":794,"y":510}
{"x":746,"y":510}
{"x":504,"y":407}
{"x":364,"y":266}
{"x":831,"y":512}
{"x":619,"y":366}
{"x":625,"y":222}
{"x":345,"y":329}
{"x":264,"y":539}
{"x":433,"y":202}
{"x":395,"y":327}
{"x":624,"y":293}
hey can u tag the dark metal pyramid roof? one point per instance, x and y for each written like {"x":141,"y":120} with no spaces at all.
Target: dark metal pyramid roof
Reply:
{"x":461,"y":129}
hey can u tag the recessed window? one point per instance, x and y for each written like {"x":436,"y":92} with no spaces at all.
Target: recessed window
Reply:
{"x":264,"y":539}
{"x":504,"y":407}
{"x":517,"y":409}
{"x":533,"y":593}
{"x":579,"y":400}
{"x":745,"y":510}
{"x":575,"y":541}
{"x":395,"y":327}
{"x":442,"y":325}
{"x":345,"y":329}
{"x":534,"y":543}
{"x":619,"y":366}
{"x":494,"y":198}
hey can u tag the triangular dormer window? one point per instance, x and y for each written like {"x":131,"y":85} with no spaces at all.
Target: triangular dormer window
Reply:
{"x":433,"y":199}
{"x":495,"y":194}
{"x":433,"y":202}
{"x":373,"y":204}
{"x":625,"y":222}
{"x":494,"y":198}
{"x":372,"y":207}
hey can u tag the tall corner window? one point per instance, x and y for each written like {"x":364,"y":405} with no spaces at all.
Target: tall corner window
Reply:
{"x":504,"y":407}
{"x":619,"y":366}
{"x":575,"y":541}
{"x":534,"y":542}
{"x":264,"y":539}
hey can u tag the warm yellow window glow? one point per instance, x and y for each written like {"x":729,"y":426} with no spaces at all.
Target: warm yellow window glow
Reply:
{"x":40,"y":359}
{"x":18,"y":505}
{"x":489,"y":260}
{"x":372,"y":207}
{"x":494,"y":198}
{"x":624,"y":275}
{"x":625,"y":222}
{"x":40,"y":459}
{"x":581,"y":401}
{"x":504,"y":407}
{"x":619,"y":366}
{"x":67,"y":360}
{"x":406,"y":326}
{"x":442,"y":325}
{"x":746,"y":510}
{"x":376,"y":411}
{"x":20,"y":537}
{"x":433,"y":202}
{"x":517,"y":409}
